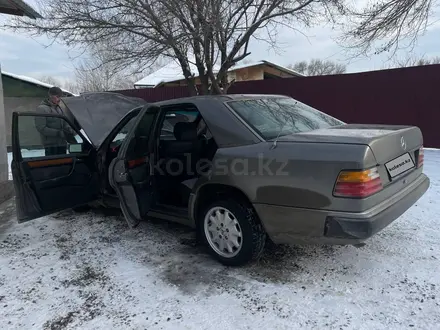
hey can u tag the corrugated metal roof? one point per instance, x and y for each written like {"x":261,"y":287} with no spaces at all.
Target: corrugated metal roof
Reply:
{"x":173,"y":72}
{"x":18,"y":8}
{"x":33,"y":81}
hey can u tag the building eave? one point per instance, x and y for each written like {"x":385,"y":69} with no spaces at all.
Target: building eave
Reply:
{"x":33,"y":81}
{"x":282,"y":68}
{"x":18,"y":8}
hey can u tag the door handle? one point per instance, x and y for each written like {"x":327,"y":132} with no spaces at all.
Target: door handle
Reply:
{"x":64,"y":176}
{"x":48,"y":183}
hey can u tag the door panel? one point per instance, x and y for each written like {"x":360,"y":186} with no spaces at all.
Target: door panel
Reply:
{"x":142,"y":183}
{"x":48,"y":183}
{"x":110,"y":148}
{"x":54,"y":183}
{"x":130,"y":173}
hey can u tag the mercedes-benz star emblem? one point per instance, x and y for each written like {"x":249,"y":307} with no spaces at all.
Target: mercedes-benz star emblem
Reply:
{"x":403,"y":143}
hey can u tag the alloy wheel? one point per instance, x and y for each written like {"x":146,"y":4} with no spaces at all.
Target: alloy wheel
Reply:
{"x":223,"y":232}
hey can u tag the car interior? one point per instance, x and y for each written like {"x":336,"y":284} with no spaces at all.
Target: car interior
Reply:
{"x":183,"y":156}
{"x":184,"y":149}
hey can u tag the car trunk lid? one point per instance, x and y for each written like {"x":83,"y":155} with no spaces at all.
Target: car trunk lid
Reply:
{"x":395,"y":147}
{"x":98,"y":113}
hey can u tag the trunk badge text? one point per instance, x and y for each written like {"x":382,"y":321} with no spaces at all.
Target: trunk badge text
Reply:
{"x":403,"y":143}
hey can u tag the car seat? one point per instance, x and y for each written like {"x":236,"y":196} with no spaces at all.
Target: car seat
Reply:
{"x":180,"y":156}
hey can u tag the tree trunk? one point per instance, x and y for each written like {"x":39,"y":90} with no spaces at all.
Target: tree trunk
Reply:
{"x":204,"y":85}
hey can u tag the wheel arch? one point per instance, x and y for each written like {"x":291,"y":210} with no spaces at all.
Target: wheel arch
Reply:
{"x":210,"y":192}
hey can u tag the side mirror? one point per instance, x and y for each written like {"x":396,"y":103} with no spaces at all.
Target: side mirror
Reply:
{"x":75,"y":148}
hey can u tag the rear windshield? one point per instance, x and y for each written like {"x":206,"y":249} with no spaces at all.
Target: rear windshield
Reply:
{"x":272,"y":117}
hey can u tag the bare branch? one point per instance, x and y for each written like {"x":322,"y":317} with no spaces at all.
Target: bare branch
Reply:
{"x":317,"y":67}
{"x":390,"y":22}
{"x":141,"y":34}
{"x":412,"y":60}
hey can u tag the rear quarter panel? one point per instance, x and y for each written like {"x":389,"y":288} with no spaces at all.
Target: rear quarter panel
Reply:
{"x":293,"y":174}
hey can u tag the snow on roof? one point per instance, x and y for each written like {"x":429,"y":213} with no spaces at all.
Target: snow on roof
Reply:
{"x":173,"y":72}
{"x":167,"y":73}
{"x":33,"y":81}
{"x":279,"y":67}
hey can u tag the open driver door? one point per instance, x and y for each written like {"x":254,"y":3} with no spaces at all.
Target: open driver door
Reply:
{"x":53,"y":165}
{"x":131,"y":173}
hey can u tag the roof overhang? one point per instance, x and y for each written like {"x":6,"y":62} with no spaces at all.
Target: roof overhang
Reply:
{"x":33,"y":81}
{"x":18,"y":8}
{"x":282,"y":68}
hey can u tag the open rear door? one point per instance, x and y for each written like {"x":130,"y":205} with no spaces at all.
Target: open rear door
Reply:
{"x":131,"y":173}
{"x":53,"y":165}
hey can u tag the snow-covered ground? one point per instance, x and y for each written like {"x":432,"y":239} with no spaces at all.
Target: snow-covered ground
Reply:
{"x":91,"y":271}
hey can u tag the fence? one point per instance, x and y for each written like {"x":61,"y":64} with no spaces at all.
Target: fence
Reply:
{"x":407,"y":96}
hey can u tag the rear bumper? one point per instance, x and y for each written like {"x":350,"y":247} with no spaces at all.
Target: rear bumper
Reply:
{"x":287,"y":225}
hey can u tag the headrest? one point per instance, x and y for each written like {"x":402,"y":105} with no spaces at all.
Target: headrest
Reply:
{"x":185,"y":131}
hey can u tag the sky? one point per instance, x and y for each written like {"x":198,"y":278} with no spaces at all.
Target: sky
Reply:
{"x":21,"y":54}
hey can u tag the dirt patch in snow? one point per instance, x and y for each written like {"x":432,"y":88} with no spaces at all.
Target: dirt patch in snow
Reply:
{"x":90,"y":309}
{"x":61,"y":322}
{"x":87,"y":276}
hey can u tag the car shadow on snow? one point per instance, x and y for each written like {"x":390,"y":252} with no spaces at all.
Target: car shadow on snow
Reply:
{"x":193,"y":270}
{"x":187,"y":264}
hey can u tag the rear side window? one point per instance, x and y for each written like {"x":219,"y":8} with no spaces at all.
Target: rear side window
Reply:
{"x":272,"y":117}
{"x":124,"y":131}
{"x":145,"y":125}
{"x":173,"y":116}
{"x":139,"y":144}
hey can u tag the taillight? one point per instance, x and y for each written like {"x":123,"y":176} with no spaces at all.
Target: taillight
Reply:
{"x":358,"y":183}
{"x":421,"y":157}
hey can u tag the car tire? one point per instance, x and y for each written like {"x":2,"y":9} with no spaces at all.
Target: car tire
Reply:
{"x":251,"y":235}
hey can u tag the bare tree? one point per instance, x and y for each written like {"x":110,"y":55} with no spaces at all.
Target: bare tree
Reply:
{"x":49,"y":80}
{"x":415,"y":61}
{"x":69,"y":85}
{"x":317,"y":67}
{"x":97,"y":74}
{"x":213,"y":35}
{"x":389,"y":22}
